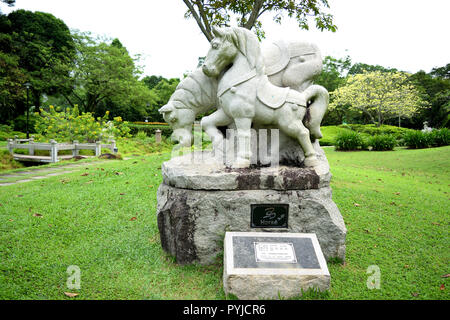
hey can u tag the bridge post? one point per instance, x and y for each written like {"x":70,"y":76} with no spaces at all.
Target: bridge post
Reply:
{"x":158,"y":136}
{"x":75,"y":151}
{"x":98,"y":148}
{"x":31,"y":149}
{"x":113,"y":146}
{"x":10,"y":146}
{"x":54,"y":151}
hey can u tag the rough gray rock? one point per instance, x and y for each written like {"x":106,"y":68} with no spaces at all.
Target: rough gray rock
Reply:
{"x":192,"y":223}
{"x":251,"y":287}
{"x":199,"y":171}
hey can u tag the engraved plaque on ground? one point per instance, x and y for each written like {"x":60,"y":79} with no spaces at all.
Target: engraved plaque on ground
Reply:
{"x":275,"y":252}
{"x":266,"y":251}
{"x":263,"y":265}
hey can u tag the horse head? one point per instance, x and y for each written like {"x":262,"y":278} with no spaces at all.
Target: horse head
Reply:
{"x":225,"y":47}
{"x":180,"y":120}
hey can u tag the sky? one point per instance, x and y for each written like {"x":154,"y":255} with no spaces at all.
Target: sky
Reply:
{"x":409,"y":35}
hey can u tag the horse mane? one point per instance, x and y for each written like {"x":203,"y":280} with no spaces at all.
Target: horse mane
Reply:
{"x":195,"y":92}
{"x":247,"y":43}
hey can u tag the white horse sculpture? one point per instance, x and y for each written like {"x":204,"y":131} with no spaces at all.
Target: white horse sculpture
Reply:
{"x":293,"y":64}
{"x":246,"y":96}
{"x":194,"y":95}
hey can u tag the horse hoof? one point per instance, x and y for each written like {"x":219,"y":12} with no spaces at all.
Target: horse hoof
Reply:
{"x":241,"y":163}
{"x":310,"y":161}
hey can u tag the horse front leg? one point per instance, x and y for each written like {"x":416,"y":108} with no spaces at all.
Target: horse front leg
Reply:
{"x":210,"y":124}
{"x":243,"y":126}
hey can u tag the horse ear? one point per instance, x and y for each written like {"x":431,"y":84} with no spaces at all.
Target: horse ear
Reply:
{"x":166,"y":108}
{"x":217,"y":32}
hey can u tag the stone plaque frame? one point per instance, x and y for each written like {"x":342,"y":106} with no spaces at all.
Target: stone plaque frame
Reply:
{"x":276,"y":215}
{"x":273,"y":268}
{"x":246,"y":278}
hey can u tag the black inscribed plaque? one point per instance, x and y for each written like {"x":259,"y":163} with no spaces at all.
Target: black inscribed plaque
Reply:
{"x":244,"y":253}
{"x":269,"y":215}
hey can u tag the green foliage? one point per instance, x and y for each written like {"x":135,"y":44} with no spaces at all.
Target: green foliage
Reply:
{"x":435,"y":88}
{"x":70,"y":125}
{"x":348,"y":141}
{"x":162,"y":89}
{"x":359,"y":68}
{"x":417,"y":139}
{"x":248,"y":13}
{"x":140,"y":145}
{"x":20,"y":122}
{"x":379,"y":95}
{"x":152,"y":81}
{"x":334,"y":72}
{"x":106,"y":78}
{"x":141,"y":135}
{"x":440,"y":137}
{"x":150,"y":129}
{"x":371,"y":129}
{"x":37,"y":48}
{"x":44,"y":48}
{"x":441,"y":72}
{"x":120,"y":232}
{"x":330,"y":133}
{"x":6,"y":132}
{"x":7,"y":162}
{"x":382,"y":142}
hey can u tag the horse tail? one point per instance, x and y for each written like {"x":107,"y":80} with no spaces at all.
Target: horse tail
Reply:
{"x":319,"y":98}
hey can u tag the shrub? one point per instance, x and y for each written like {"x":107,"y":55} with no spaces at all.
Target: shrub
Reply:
{"x":346,"y":141}
{"x":382,"y":142}
{"x":141,"y":135}
{"x":166,"y":131}
{"x":7,"y":161}
{"x":440,"y":137}
{"x":6,"y":132}
{"x":150,"y":123}
{"x":417,"y":139}
{"x":20,"y":123}
{"x":330,"y":133}
{"x":373,"y":130}
{"x":70,"y":125}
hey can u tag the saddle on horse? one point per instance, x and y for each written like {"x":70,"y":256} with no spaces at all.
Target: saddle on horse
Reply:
{"x":275,"y":97}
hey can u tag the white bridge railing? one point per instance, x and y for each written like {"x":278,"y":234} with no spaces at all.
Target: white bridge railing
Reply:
{"x":53,"y":147}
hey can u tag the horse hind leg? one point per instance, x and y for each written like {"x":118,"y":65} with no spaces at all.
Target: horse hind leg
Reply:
{"x":296,"y":129}
{"x":320,"y":97}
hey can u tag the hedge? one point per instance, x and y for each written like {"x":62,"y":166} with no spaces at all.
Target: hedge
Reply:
{"x":348,"y":141}
{"x":150,"y":129}
{"x":382,"y":142}
{"x":419,"y":139}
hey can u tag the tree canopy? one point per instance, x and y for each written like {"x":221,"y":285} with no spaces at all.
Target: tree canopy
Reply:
{"x":435,"y":88}
{"x":105,"y":72}
{"x":379,"y":95}
{"x":162,"y":89}
{"x":208,"y":13}
{"x":37,"y":48}
{"x":10,"y":3}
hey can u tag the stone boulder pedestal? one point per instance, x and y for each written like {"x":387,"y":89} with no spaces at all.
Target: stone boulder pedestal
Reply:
{"x":200,"y":200}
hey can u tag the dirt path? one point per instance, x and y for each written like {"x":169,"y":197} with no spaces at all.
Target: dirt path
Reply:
{"x":38,"y":174}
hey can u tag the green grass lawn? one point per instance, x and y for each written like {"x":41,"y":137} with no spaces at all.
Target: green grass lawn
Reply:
{"x":103,"y":220}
